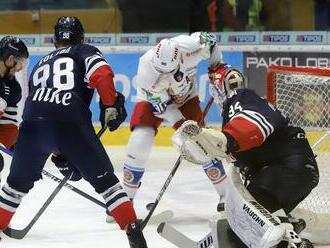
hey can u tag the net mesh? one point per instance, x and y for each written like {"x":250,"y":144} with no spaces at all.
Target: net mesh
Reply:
{"x":304,"y":97}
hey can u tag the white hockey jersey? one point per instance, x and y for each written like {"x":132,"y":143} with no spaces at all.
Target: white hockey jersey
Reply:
{"x":156,"y":87}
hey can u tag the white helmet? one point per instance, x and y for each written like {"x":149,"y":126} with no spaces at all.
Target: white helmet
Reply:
{"x":166,"y":56}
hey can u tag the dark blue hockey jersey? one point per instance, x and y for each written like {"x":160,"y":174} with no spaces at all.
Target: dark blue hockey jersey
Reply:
{"x":261,"y":131}
{"x":10,"y":95}
{"x":61,"y":85}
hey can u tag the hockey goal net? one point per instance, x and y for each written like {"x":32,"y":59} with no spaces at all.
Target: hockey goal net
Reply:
{"x":303,"y":95}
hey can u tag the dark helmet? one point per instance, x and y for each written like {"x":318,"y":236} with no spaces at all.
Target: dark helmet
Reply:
{"x":10,"y":45}
{"x":68,"y":28}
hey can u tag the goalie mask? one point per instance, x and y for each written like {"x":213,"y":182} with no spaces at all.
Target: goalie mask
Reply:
{"x":224,"y":80}
{"x":166,"y":56}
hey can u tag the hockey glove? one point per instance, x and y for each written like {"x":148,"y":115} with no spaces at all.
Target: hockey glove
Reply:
{"x":197,"y":144}
{"x":114,"y":115}
{"x":66,"y":168}
{"x":160,"y":107}
{"x":209,"y":39}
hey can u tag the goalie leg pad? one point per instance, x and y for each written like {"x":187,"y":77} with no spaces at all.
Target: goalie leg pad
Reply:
{"x":252,"y":223}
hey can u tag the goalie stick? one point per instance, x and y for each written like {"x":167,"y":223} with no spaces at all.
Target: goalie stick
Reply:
{"x":154,"y":204}
{"x":20,"y":233}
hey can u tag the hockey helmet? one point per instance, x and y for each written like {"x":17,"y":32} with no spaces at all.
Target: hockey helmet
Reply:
{"x":10,"y":45}
{"x":69,"y":28}
{"x":166,"y":56}
{"x":224,"y":81}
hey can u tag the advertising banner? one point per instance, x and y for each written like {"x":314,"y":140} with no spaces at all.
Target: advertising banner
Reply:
{"x":225,"y":38}
{"x":256,"y":63}
{"x":293,"y":38}
{"x":125,"y":66}
{"x":31,"y":40}
{"x":135,"y":39}
{"x":99,"y":39}
{"x":310,"y":38}
{"x":240,"y":38}
{"x":276,"y":38}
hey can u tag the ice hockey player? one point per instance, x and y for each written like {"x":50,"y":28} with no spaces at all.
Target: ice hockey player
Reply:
{"x":274,"y":157}
{"x":57,"y":120}
{"x":13,"y":55}
{"x":166,"y":91}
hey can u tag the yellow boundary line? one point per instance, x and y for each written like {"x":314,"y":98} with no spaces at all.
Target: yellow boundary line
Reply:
{"x":163,"y":138}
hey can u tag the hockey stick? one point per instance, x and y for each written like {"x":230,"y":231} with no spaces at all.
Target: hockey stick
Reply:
{"x":170,"y":176}
{"x":20,"y":233}
{"x":177,"y":238}
{"x":67,"y":185}
{"x":56,"y":179}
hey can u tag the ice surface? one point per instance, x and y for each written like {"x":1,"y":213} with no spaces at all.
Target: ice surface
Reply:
{"x":72,"y":221}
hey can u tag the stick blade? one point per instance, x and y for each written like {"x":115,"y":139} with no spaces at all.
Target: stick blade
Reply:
{"x":14,"y":233}
{"x":175,"y":237}
{"x":161,"y":217}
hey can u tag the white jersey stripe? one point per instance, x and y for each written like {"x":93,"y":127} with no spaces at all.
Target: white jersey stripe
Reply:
{"x":265,"y":121}
{"x":12,"y":109}
{"x":94,"y":68}
{"x":7,"y":207}
{"x":89,"y":60}
{"x":8,"y":122}
{"x":262,"y":120}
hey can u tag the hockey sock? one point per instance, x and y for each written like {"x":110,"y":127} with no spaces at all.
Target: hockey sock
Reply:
{"x":132,"y":179}
{"x":124,"y":214}
{"x":9,"y":202}
{"x":5,"y":217}
{"x":217,"y":175}
{"x":119,"y":205}
{"x":138,"y":150}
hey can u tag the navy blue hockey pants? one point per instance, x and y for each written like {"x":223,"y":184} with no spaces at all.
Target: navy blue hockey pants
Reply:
{"x":77,"y":142}
{"x":285,"y":183}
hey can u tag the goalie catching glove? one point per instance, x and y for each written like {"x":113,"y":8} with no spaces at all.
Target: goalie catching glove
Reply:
{"x":199,"y":145}
{"x":114,"y":115}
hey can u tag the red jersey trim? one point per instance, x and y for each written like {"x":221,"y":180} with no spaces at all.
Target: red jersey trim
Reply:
{"x":246,"y":132}
{"x":102,"y":80}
